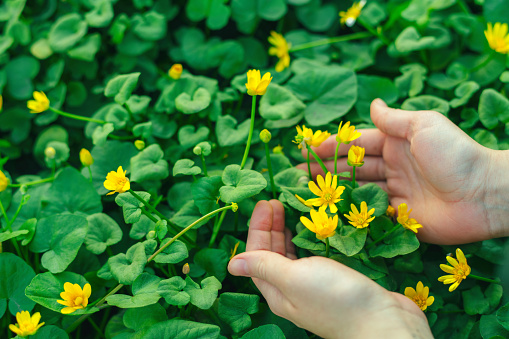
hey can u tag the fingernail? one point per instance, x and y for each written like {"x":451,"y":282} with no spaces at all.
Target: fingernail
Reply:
{"x":380,"y":102}
{"x":238,"y":267}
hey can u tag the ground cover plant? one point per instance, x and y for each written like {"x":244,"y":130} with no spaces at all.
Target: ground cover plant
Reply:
{"x":137,"y":136}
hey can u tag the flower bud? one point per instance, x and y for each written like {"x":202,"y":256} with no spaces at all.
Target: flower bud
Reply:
{"x":197,"y":150}
{"x":235,"y":207}
{"x":265,"y":136}
{"x":390,"y":211}
{"x":86,"y":158}
{"x":50,"y":152}
{"x":175,"y":71}
{"x":186,"y":269}
{"x":278,"y":150}
{"x":151,"y":235}
{"x":139,"y":144}
{"x":4,"y":182}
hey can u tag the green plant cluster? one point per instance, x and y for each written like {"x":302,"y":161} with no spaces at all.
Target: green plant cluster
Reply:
{"x":109,"y":60}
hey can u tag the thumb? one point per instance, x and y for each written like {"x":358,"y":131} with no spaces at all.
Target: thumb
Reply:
{"x":391,"y":121}
{"x":265,"y":265}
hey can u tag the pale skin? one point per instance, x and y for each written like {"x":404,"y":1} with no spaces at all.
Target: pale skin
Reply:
{"x":455,"y":187}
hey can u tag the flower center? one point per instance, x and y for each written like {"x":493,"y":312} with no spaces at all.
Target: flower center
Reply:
{"x":121,"y":182}
{"x":419,"y":301}
{"x":460,"y":272}
{"x":78,"y":301}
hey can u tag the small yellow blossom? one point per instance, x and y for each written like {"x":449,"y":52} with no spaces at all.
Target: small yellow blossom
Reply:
{"x":74,"y":297}
{"x":86,"y":158}
{"x":306,"y":136}
{"x":457,"y":272}
{"x":278,"y":150}
{"x":347,"y":133}
{"x":117,"y":181}
{"x":27,"y":325}
{"x":280,"y":49}
{"x":1,"y":102}
{"x":139,"y":144}
{"x":40,"y":104}
{"x":234,"y":250}
{"x":50,"y":152}
{"x":360,"y":219}
{"x":497,"y":37}
{"x":390,"y":211}
{"x":350,"y":16}
{"x":235,"y":207}
{"x":405,"y":220}
{"x":356,"y":156}
{"x":327,"y":191}
{"x":175,"y":71}
{"x":323,"y":225}
{"x":256,"y":85}
{"x":265,"y":136}
{"x":4,"y":182}
{"x":186,"y":269}
{"x":420,"y":296}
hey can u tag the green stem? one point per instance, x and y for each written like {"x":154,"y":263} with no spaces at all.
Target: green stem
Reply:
{"x":97,"y":328}
{"x":216,"y":229}
{"x":13,"y":240}
{"x":271,"y":174}
{"x":204,"y":165}
{"x":309,"y":166}
{"x":118,"y":137}
{"x":373,"y":31}
{"x":148,"y":215}
{"x":205,"y":217}
{"x":33,"y":182}
{"x":77,"y":117}
{"x":248,"y":145}
{"x":484,"y":279}
{"x":9,"y":224}
{"x":463,"y":6}
{"x":4,"y":214}
{"x":90,"y":173}
{"x":353,"y":177}
{"x":318,"y":160}
{"x":336,"y":159}
{"x":383,"y":236}
{"x":328,"y":41}
{"x":327,"y":247}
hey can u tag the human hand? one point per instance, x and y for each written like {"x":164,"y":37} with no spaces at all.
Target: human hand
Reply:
{"x":320,"y":294}
{"x":424,"y":160}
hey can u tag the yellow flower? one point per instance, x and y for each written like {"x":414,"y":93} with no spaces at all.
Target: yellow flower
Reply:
{"x":40,"y":104}
{"x":497,"y":37}
{"x":86,"y":158}
{"x":74,"y":297}
{"x":457,"y":272}
{"x":234,"y":250}
{"x":278,"y":149}
{"x":403,"y":218}
{"x":235,"y":207}
{"x":256,"y":85}
{"x":139,"y":144}
{"x":26,"y":325}
{"x":347,"y":133}
{"x":280,"y":49}
{"x":420,"y":296}
{"x":305,"y":135}
{"x":356,"y":156}
{"x":175,"y":71}
{"x":117,"y":181}
{"x":4,"y":182}
{"x":390,"y":211}
{"x":323,"y":225}
{"x":360,"y":219}
{"x":350,"y":16}
{"x":329,"y":193}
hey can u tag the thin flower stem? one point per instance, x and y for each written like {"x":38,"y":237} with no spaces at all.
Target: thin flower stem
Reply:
{"x":336,"y":159}
{"x":373,"y":31}
{"x":204,"y":165}
{"x":3,"y":212}
{"x":77,"y":117}
{"x":328,"y":41}
{"x":248,"y":145}
{"x":97,"y":328}
{"x":353,"y":177}
{"x":216,"y":229}
{"x":383,"y":236}
{"x":484,"y":279}
{"x":271,"y":174}
{"x":327,"y":247}
{"x":463,"y":6}
{"x":9,"y":222}
{"x":33,"y":182}
{"x":325,"y":170}
{"x":90,"y":173}
{"x":309,"y":166}
{"x":149,"y":215}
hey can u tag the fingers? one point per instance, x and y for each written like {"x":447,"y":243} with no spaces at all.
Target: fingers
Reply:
{"x":372,"y":170}
{"x":277,"y":234}
{"x":394,"y":122}
{"x":259,"y":234}
{"x":290,"y":246}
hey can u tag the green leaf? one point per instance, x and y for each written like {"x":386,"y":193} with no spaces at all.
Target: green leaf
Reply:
{"x":101,"y":15}
{"x":150,"y":26}
{"x":370,"y":88}
{"x":189,"y":136}
{"x":490,"y":327}
{"x":330,"y":91}
{"x":493,"y":107}
{"x":265,"y":331}
{"x":374,"y":196}
{"x":172,"y":254}
{"x":235,"y":308}
{"x":410,"y":40}
{"x":66,"y":32}
{"x":503,"y":316}
{"x":15,"y":275}
{"x":103,"y":231}
{"x":182,"y":329}
{"x":400,"y":242}
{"x":348,"y":240}
{"x":411,"y":82}
{"x":50,"y":332}
{"x":45,"y":290}
{"x":9,"y":235}
{"x":137,"y":318}
{"x":188,"y":214}
{"x":410,"y":263}
{"x":216,"y":12}
{"x":464,"y":92}
{"x":121,"y":87}
{"x":60,"y":237}
{"x":279,"y":103}
{"x":100,"y":134}
{"x":198,"y":102}
{"x":303,"y":192}
{"x":172,"y":291}
{"x":229,"y":133}
{"x":87,"y":48}
{"x":307,"y":240}
{"x":240,"y":184}
{"x":125,"y":268}
{"x":316,"y":16}
{"x":185,"y":167}
{"x":144,"y":293}
{"x":149,"y":165}
{"x":474,"y":301}
{"x":131,"y":206}
{"x":426,"y":103}
{"x":213,"y":261}
{"x":205,"y":296}
{"x":206,"y":193}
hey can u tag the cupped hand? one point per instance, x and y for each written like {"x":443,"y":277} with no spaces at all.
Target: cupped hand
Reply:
{"x":424,"y":160}
{"x":320,"y":294}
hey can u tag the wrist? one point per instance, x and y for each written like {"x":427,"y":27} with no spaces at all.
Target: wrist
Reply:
{"x":496,"y":194}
